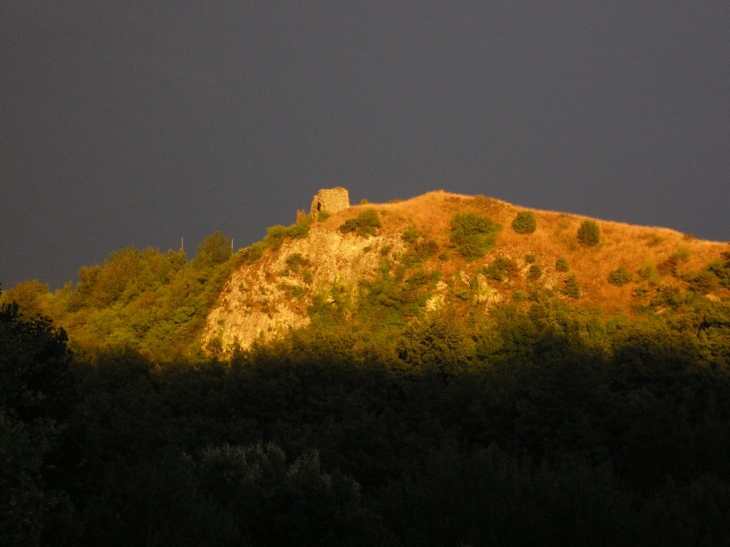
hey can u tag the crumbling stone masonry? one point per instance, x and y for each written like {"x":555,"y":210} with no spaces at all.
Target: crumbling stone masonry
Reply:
{"x":331,"y":200}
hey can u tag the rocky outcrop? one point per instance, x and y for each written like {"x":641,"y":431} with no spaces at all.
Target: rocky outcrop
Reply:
{"x":272,"y":295}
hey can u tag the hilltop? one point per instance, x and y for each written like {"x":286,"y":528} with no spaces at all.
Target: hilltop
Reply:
{"x":372,"y":269}
{"x":408,"y":263}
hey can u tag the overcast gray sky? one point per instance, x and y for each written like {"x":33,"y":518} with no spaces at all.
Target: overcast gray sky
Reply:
{"x":138,"y":123}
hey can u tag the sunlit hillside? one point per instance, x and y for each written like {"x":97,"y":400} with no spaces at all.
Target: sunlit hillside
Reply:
{"x":410,"y":263}
{"x":377,"y":267}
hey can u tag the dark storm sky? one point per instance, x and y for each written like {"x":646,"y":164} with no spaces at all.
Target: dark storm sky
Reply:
{"x":138,"y":123}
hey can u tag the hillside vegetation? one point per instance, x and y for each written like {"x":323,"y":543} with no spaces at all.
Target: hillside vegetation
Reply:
{"x":443,"y":371}
{"x":469,"y":254}
{"x":383,"y":265}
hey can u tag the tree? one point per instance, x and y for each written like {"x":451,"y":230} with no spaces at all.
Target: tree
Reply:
{"x":215,"y":249}
{"x":36,"y":397}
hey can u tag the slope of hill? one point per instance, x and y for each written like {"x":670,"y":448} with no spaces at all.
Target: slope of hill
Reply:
{"x":423,"y":254}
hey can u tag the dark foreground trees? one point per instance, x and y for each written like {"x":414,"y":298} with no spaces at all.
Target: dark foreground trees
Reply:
{"x":36,"y":399}
{"x":541,"y":428}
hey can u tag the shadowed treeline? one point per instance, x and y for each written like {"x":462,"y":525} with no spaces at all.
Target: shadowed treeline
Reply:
{"x":548,"y":427}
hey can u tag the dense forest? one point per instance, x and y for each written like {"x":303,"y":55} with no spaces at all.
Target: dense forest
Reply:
{"x":540,"y":423}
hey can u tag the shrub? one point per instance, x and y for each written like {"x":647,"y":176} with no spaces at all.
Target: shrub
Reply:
{"x":295,"y":260}
{"x":322,"y":216}
{"x":721,"y":269}
{"x":530,"y":258}
{"x":365,"y":224}
{"x":534,"y":273}
{"x":525,"y":222}
{"x":589,"y":234}
{"x":702,"y":282}
{"x":472,"y":234}
{"x":561,"y":264}
{"x":255,"y":251}
{"x":619,"y":277}
{"x":648,"y":272}
{"x":681,"y":254}
{"x":500,"y":268}
{"x":520,"y":296}
{"x":410,"y":235}
{"x":571,"y":287}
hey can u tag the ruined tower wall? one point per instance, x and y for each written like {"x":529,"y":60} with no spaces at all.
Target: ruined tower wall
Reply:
{"x":331,"y":200}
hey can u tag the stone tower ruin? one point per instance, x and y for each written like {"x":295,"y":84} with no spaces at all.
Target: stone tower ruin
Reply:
{"x":331,"y":200}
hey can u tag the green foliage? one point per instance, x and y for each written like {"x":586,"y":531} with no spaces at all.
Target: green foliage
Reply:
{"x":525,"y":222}
{"x":295,"y":261}
{"x":437,"y":345}
{"x":146,"y":299}
{"x":670,"y":295}
{"x":701,"y":282}
{"x":283,"y":503}
{"x":619,"y":276}
{"x":451,"y":429}
{"x":681,"y":254}
{"x":37,"y":394}
{"x":365,"y":224}
{"x":322,"y":216}
{"x":571,"y":287}
{"x":562,"y":265}
{"x":648,"y":272}
{"x":721,"y":269}
{"x":499,"y":269}
{"x":530,"y":258}
{"x":588,"y":233}
{"x":29,"y":295}
{"x":519,"y":296}
{"x":410,"y":236}
{"x":275,"y":237}
{"x":534,"y":273}
{"x":255,"y":251}
{"x":420,"y":250}
{"x":393,"y":296}
{"x":215,"y":249}
{"x":472,"y":235}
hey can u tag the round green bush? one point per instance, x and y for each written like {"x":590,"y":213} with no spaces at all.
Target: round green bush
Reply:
{"x":525,"y":222}
{"x":589,"y":234}
{"x":620,"y":276}
{"x":535,"y":273}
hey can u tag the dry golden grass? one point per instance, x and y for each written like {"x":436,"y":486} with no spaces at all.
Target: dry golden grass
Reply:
{"x":620,"y":244}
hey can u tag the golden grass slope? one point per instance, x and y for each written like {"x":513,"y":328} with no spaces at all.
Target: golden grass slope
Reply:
{"x":630,"y":246}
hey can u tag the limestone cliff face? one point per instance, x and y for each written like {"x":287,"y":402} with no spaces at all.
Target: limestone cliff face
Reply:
{"x":272,"y":295}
